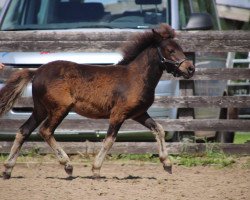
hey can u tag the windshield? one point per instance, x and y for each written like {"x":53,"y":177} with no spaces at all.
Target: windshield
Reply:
{"x":68,"y":14}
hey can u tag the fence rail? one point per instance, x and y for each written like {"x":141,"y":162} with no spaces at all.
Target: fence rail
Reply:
{"x":78,"y":41}
{"x":200,"y":74}
{"x":81,"y":125}
{"x":85,"y":148}
{"x":179,"y":101}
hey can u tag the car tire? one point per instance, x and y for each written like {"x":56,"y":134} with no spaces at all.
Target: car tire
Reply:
{"x":224,"y":137}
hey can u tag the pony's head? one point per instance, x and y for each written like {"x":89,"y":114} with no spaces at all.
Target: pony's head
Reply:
{"x":170,"y":53}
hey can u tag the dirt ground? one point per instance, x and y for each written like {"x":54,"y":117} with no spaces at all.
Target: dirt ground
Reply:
{"x":128,"y":180}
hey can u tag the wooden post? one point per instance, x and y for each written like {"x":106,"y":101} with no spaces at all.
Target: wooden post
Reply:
{"x":186,"y":89}
{"x":226,"y":113}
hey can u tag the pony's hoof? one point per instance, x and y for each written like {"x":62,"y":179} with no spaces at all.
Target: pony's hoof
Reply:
{"x":96,"y":176}
{"x":96,"y":173}
{"x":6,"y":175}
{"x":168,"y":168}
{"x":69,"y":169}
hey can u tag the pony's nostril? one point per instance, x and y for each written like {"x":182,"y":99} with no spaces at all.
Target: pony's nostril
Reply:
{"x":191,"y":69}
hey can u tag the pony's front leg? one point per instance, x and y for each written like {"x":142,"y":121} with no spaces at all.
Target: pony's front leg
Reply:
{"x":106,"y":146}
{"x":159,"y":134}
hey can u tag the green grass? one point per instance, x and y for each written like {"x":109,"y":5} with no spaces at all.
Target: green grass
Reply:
{"x":216,"y":159}
{"x":208,"y":159}
{"x":241,"y":138}
{"x":3,"y":157}
{"x":135,"y":157}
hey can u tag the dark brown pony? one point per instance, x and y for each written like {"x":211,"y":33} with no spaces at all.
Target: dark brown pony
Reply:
{"x":116,"y":92}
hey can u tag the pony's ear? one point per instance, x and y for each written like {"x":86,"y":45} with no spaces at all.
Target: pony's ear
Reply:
{"x":164,"y":32}
{"x":157,"y":35}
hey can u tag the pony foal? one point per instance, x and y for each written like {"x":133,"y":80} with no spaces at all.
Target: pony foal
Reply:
{"x":116,"y":92}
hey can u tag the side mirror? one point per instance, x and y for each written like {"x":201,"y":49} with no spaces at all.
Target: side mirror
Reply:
{"x":199,"y":21}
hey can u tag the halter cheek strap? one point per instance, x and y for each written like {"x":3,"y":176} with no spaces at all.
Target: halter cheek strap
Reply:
{"x":168,"y":68}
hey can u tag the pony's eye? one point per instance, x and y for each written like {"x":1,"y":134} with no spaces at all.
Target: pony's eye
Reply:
{"x":171,"y":51}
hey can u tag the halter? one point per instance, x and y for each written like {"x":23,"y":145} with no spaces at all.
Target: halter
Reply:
{"x":175,"y":64}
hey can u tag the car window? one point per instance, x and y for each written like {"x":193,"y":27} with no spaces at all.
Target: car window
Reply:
{"x":67,"y":14}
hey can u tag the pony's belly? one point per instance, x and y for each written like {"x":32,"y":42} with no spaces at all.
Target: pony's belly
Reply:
{"x":92,"y":112}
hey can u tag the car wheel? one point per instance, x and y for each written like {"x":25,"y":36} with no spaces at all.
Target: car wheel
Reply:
{"x":224,"y":137}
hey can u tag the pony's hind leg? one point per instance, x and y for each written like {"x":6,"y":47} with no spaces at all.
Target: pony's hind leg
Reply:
{"x":24,"y":132}
{"x":47,"y":131}
{"x":14,"y":152}
{"x":159,"y":134}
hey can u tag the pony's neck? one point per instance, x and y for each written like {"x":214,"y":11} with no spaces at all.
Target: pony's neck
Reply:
{"x":147,"y":64}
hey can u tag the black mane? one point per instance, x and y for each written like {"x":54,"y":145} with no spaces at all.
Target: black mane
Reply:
{"x":141,"y":41}
{"x":135,"y":46}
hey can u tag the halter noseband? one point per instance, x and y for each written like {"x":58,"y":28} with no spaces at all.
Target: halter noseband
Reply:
{"x":165,"y":61}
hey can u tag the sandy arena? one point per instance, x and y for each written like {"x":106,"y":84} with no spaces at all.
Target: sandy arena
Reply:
{"x":126,"y":180}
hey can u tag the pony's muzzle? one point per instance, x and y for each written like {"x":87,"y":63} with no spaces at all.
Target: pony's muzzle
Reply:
{"x":187,"y":69}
